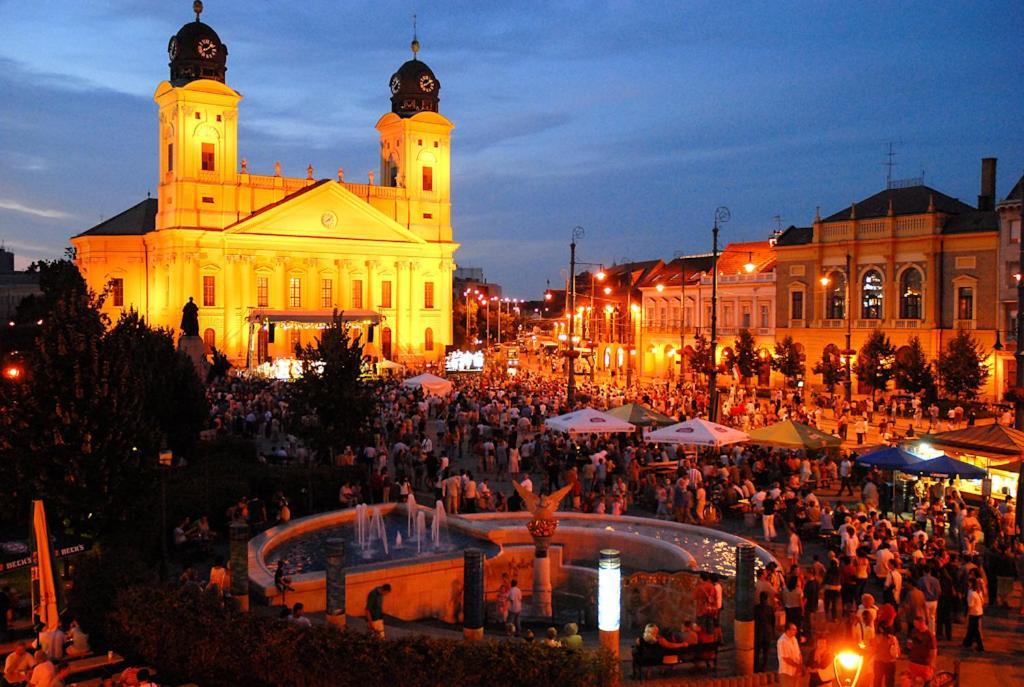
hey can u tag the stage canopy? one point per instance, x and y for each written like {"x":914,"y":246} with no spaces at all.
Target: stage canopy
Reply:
{"x":430,"y":384}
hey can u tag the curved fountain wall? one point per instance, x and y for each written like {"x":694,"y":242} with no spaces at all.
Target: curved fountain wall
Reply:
{"x":430,"y":585}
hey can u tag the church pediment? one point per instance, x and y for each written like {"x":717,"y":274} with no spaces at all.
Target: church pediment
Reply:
{"x":324,"y":210}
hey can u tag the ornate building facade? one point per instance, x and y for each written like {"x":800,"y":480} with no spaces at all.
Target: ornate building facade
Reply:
{"x":908,"y":260}
{"x":268,"y":258}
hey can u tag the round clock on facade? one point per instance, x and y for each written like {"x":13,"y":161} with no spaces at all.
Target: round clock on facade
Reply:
{"x":329,"y":220}
{"x":396,"y":83}
{"x":427,"y":83}
{"x":206,"y":48}
{"x":172,"y":47}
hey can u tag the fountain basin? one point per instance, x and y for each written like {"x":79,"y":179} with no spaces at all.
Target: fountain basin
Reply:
{"x":430,"y":584}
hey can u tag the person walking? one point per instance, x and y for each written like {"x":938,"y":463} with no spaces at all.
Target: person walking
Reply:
{"x":375,"y":608}
{"x":922,"y":650}
{"x":929,"y":584}
{"x":764,"y":630}
{"x":515,"y":605}
{"x":975,"y":610}
{"x":768,"y":518}
{"x":846,"y":471}
{"x":885,"y":649}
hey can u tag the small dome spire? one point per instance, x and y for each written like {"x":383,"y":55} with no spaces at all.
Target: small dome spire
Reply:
{"x":415,"y":45}
{"x":197,"y":7}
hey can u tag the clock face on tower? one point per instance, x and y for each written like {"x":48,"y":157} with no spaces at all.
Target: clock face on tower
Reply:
{"x":172,"y":47}
{"x":206,"y":48}
{"x":396,"y":83}
{"x":427,"y":83}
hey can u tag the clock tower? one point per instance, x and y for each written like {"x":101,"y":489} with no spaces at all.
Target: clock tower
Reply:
{"x":415,"y":148}
{"x":198,"y":137}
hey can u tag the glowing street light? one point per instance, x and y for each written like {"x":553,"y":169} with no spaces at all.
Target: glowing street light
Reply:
{"x":607,"y":290}
{"x":847,"y":665}
{"x":12,"y":373}
{"x":824,"y":281}
{"x":600,"y":276}
{"x":660,"y":287}
{"x":750,"y":266}
{"x":609,"y":598}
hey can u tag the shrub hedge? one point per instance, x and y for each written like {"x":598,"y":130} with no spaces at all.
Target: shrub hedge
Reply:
{"x":189,"y":636}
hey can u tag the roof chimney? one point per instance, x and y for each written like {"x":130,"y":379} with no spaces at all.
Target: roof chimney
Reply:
{"x":987,"y":197}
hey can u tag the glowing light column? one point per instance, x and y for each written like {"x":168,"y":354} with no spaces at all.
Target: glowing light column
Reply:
{"x":609,"y":594}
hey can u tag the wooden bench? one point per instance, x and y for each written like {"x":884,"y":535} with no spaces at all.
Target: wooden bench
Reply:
{"x":646,"y":656}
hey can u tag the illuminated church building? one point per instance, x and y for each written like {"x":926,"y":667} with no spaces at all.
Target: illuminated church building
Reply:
{"x":268,"y":258}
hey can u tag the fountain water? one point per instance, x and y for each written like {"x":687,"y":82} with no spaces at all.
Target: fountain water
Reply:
{"x":398,"y":540}
{"x":410,"y":508}
{"x":421,"y":530}
{"x":362,"y":528}
{"x":377,"y":529}
{"x":439,"y":525}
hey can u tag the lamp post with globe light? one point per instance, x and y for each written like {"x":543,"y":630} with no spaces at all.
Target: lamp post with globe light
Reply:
{"x":722,"y":216}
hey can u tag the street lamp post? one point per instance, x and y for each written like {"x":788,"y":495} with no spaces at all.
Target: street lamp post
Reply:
{"x":721,"y":217}
{"x":1018,"y":403}
{"x":848,"y":382}
{"x":570,"y":385}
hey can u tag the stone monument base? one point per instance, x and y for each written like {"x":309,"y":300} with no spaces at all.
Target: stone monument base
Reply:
{"x":195,"y":349}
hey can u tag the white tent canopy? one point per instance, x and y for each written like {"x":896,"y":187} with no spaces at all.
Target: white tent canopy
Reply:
{"x":388,"y":365}
{"x":431,"y":384}
{"x":697,"y":432}
{"x":587,"y":421}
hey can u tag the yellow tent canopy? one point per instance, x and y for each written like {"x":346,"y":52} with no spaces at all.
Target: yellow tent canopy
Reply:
{"x":794,"y":435}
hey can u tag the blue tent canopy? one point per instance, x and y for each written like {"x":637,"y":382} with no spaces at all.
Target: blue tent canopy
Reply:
{"x":944,"y":465}
{"x":890,"y":458}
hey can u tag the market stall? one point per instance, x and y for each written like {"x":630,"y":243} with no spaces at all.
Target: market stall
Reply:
{"x":997,"y":449}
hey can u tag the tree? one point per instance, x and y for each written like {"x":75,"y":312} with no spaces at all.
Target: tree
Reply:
{"x":962,"y":368}
{"x":914,"y":370}
{"x":831,"y":370}
{"x":876,"y":361}
{"x":788,"y":361}
{"x":83,"y":429}
{"x":331,"y":397}
{"x":700,"y":359}
{"x":745,"y":354}
{"x":172,"y":392}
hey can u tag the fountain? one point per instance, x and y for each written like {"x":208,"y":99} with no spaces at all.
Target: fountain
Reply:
{"x":398,"y":540}
{"x":421,"y":530}
{"x":438,"y":525}
{"x":362,"y":529}
{"x":377,"y":529}
{"x":411,"y":508}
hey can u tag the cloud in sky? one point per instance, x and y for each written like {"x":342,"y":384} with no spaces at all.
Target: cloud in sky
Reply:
{"x":634,"y":120}
{"x":15,"y":206}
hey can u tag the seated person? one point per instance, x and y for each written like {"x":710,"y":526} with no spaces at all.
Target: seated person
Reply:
{"x":79,"y":645}
{"x":688,"y":635}
{"x":654,"y":644}
{"x":572,"y":638}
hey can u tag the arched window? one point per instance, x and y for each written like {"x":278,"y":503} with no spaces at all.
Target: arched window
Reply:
{"x":835,"y":296}
{"x":428,"y":339}
{"x":910,"y":294}
{"x":871,"y":295}
{"x":209,"y":340}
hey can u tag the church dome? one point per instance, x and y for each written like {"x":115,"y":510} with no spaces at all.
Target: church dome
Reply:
{"x":414,"y":88}
{"x":196,"y":52}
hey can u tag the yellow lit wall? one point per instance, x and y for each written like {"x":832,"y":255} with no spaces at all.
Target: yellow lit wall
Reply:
{"x":284,"y":243}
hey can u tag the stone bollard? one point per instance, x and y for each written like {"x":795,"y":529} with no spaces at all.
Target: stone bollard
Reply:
{"x":473,"y":594}
{"x":238,"y":535}
{"x":743,"y":625}
{"x":336,"y":582}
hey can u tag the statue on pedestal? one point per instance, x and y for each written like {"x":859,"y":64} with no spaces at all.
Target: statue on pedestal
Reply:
{"x":541,"y":527}
{"x":190,"y":319}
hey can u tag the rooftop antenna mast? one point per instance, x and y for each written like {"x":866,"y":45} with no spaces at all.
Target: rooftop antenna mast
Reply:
{"x":890,"y":163}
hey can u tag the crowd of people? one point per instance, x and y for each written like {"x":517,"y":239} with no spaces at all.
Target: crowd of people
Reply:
{"x":936,"y":564}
